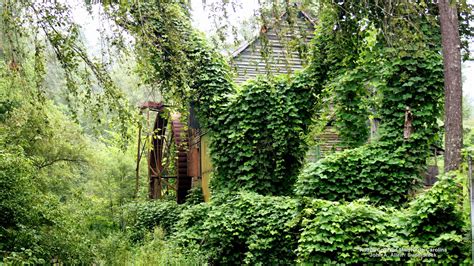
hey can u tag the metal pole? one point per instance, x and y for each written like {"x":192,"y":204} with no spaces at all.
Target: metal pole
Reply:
{"x":469,"y":161}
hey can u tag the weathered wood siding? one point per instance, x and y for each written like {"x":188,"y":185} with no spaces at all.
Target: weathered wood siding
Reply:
{"x":281,"y":41}
{"x":284,"y":44}
{"x":327,"y":142}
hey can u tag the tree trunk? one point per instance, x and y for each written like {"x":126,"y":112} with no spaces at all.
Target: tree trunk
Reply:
{"x":452,"y":84}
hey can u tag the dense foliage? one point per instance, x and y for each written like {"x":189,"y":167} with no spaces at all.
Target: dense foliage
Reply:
{"x":357,"y":232}
{"x":247,"y":228}
{"x":258,"y":145}
{"x":148,"y":215}
{"x":67,"y":196}
{"x":374,"y":171}
{"x":379,"y":80}
{"x":386,"y":170}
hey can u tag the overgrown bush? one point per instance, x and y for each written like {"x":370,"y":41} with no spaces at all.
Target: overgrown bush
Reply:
{"x":114,"y":249}
{"x":189,"y":229}
{"x":155,"y":249}
{"x":16,"y":195}
{"x":376,"y":171}
{"x":435,"y":219}
{"x":244,"y":228}
{"x":338,"y":233}
{"x":430,"y":230}
{"x":151,"y":214}
{"x":248,"y":228}
{"x":195,"y":195}
{"x":34,"y":228}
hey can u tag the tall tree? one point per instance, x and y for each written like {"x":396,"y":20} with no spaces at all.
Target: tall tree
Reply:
{"x":452,"y":83}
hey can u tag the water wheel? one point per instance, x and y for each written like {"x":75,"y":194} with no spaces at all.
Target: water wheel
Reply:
{"x":168,"y":156}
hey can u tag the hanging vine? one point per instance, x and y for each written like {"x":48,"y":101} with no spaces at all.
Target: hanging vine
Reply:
{"x":257,"y":130}
{"x":50,"y":26}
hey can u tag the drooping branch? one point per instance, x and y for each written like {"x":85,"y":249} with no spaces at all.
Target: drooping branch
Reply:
{"x":47,"y":163}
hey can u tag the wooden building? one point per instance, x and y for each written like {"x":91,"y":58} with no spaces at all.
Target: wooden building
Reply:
{"x":281,"y":47}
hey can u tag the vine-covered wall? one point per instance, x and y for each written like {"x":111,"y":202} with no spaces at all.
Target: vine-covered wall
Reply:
{"x":258,"y":142}
{"x":257,"y":131}
{"x":379,"y":79}
{"x":388,"y":169}
{"x":257,"y":134}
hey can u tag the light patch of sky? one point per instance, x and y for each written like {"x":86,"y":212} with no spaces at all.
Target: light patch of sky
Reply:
{"x":203,"y":18}
{"x":468,"y":72}
{"x":90,"y":23}
{"x":468,"y":80}
{"x":202,"y":13}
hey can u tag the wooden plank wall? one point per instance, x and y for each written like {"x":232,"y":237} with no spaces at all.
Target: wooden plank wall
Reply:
{"x":283,"y":57}
{"x":328,"y":142}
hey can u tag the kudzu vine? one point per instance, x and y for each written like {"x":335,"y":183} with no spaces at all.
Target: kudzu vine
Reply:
{"x":381,"y":80}
{"x":258,"y":130}
{"x":249,"y":228}
{"x":258,"y":144}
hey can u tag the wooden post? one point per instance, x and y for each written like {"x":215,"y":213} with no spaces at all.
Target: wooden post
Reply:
{"x":151,"y":186}
{"x":137,"y":169}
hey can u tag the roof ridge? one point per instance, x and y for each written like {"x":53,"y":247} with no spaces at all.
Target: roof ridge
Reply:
{"x":246,"y":44}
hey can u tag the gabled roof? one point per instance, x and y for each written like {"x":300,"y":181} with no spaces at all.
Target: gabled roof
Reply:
{"x":272,"y":51}
{"x":246,"y":44}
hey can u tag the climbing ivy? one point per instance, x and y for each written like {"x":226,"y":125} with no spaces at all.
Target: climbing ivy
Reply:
{"x":258,"y":145}
{"x":379,"y":78}
{"x":387,"y":170}
{"x":375,"y":171}
{"x":256,"y":131}
{"x":430,"y":230}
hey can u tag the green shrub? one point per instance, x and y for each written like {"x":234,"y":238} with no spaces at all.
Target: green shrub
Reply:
{"x":155,"y":249}
{"x":189,"y":228}
{"x":114,"y":249}
{"x":435,"y":220}
{"x":244,"y":228}
{"x":195,"y":196}
{"x":152,"y":214}
{"x":375,"y":171}
{"x":16,"y":194}
{"x":332,"y":232}
{"x":358,"y":232}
